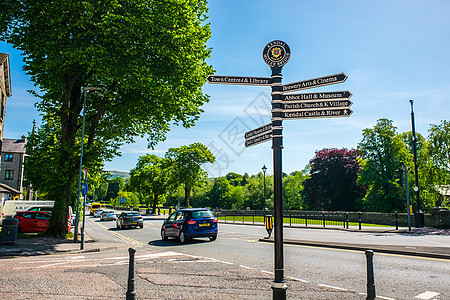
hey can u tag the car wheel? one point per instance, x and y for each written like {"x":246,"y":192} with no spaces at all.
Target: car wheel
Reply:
{"x":141,"y":226}
{"x":213,"y":238}
{"x":182,"y":237}
{"x":164,"y":236}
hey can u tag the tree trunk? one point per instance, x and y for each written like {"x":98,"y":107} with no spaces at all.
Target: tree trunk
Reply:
{"x":187,"y":193}
{"x":68,"y":159}
{"x":155,"y":202}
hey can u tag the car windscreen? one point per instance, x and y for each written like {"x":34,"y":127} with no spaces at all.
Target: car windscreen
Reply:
{"x":201,"y":214}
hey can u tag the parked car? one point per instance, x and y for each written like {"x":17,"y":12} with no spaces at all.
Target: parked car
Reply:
{"x":33,"y":221}
{"x":48,"y":209}
{"x":130,"y":219}
{"x":189,"y":223}
{"x":108,"y":215}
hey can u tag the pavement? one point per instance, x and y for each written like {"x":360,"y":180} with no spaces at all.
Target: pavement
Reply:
{"x":49,"y":245}
{"x":165,"y":279}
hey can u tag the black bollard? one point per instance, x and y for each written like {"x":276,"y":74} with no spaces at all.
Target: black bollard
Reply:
{"x":370,"y":277}
{"x":131,"y":290}
{"x":396,"y":221}
{"x":359,"y":219}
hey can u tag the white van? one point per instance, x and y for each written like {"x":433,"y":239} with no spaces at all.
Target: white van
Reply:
{"x":10,"y":207}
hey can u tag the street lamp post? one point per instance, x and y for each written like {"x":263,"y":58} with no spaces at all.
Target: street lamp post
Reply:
{"x":77,"y":219}
{"x":264,"y":168}
{"x":419,"y":217}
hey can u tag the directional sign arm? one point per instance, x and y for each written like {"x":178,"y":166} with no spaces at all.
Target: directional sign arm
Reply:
{"x":240,"y":80}
{"x":316,"y":82}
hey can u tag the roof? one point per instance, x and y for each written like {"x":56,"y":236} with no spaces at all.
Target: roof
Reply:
{"x":14,"y":146}
{"x":193,"y":209}
{"x":6,"y":189}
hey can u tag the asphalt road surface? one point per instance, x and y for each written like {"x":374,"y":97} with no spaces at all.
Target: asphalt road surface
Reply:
{"x":396,"y":276}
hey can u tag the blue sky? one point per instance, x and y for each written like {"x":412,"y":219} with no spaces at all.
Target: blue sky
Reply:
{"x":391,"y":51}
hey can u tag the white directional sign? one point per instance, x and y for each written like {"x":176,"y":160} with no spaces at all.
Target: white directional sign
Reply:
{"x":316,"y":82}
{"x":318,"y":113}
{"x":243,"y":80}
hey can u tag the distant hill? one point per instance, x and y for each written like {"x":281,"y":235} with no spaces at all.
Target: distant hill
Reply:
{"x":114,"y":174}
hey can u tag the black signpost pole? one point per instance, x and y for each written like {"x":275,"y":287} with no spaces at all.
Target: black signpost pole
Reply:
{"x":279,"y":285}
{"x":287,"y":106}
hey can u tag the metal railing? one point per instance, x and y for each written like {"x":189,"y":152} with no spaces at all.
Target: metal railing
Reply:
{"x":316,"y":218}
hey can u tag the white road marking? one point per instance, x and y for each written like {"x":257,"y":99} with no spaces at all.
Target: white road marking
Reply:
{"x":297,"y":279}
{"x":386,"y":298}
{"x":427,"y":295}
{"x":245,"y":267}
{"x":332,"y":287}
{"x":271,"y":273}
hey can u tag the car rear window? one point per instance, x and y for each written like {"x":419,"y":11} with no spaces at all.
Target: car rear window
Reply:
{"x":136,"y":214}
{"x":200,"y":214}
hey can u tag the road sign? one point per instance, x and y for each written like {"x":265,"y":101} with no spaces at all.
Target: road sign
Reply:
{"x":312,"y":83}
{"x":258,"y":139}
{"x":318,"y":113}
{"x":317,"y":96}
{"x":84,"y":189}
{"x":314,"y":105}
{"x":242,"y":80}
{"x":258,"y":131}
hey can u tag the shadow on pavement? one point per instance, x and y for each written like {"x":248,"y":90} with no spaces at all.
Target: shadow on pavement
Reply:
{"x":175,"y":242}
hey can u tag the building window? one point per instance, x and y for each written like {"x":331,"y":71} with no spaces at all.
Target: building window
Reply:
{"x":9,"y":174}
{"x":9,"y":157}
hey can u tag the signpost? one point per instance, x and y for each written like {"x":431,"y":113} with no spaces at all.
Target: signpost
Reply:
{"x":284,"y":107}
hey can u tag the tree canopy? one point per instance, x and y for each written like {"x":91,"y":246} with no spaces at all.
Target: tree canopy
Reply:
{"x":383,"y":152}
{"x":332,"y":180}
{"x":148,"y":58}
{"x":187,"y":164}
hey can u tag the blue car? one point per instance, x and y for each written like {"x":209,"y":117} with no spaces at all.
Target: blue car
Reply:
{"x":189,"y":223}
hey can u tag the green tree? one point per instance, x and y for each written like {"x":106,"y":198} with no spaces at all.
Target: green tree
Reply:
{"x":293,"y":196}
{"x":438,"y":152}
{"x":234,"y":179}
{"x":186,"y":166}
{"x":332,"y":180}
{"x":254,"y":192}
{"x":383,"y":151}
{"x":149,"y":58}
{"x":132,"y":199}
{"x":151,"y":178}
{"x":114,"y":187}
{"x":225,"y":195}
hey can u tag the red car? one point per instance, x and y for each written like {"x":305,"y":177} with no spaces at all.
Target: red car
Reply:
{"x":33,"y":221}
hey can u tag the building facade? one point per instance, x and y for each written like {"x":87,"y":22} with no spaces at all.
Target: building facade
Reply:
{"x":5,"y":89}
{"x":12,"y":163}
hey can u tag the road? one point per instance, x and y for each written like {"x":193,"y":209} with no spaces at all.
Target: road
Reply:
{"x":396,"y":276}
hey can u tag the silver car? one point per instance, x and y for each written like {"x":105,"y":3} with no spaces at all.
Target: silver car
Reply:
{"x":108,"y":216}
